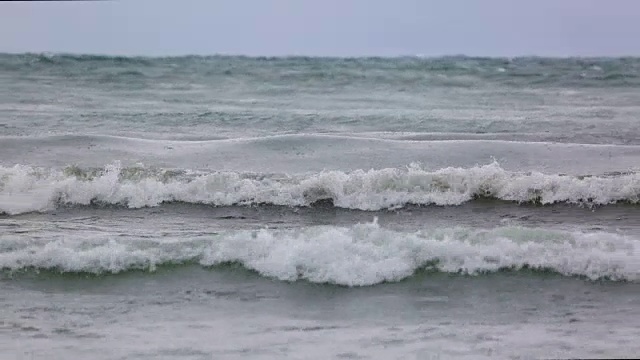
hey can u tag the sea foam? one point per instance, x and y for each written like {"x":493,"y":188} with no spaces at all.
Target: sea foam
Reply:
{"x":358,"y":255}
{"x":28,"y":189}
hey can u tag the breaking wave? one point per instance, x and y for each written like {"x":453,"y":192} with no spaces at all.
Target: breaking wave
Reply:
{"x":28,"y":189}
{"x":360,"y":255}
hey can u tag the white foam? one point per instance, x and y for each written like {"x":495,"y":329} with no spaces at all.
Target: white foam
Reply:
{"x":364,"y":254}
{"x":26,"y":189}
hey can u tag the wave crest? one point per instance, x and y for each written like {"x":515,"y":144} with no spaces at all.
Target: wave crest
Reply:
{"x":360,"y":255}
{"x":28,"y":189}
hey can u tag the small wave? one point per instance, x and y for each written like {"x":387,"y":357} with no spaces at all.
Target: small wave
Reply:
{"x":456,"y":71}
{"x":28,"y":189}
{"x":360,"y":255}
{"x":59,"y":59}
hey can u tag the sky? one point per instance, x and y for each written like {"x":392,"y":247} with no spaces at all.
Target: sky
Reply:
{"x":324,"y":27}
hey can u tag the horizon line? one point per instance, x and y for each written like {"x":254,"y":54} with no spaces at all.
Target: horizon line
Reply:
{"x":293,"y":55}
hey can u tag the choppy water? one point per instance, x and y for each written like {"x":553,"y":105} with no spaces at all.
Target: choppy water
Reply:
{"x":232,"y":207}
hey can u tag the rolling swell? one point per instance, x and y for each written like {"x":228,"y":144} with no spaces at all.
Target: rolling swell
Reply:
{"x":359,"y":255}
{"x":26,"y":189}
{"x":534,"y":71}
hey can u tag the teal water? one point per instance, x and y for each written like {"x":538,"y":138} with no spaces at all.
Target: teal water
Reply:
{"x":581,"y":100}
{"x":236,"y":207}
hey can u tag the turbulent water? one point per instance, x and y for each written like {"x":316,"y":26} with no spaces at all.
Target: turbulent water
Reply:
{"x":231,"y":207}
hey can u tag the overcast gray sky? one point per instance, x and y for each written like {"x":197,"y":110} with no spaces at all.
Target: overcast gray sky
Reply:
{"x":324,"y":27}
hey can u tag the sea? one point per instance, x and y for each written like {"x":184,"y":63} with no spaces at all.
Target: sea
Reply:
{"x":229,"y":207}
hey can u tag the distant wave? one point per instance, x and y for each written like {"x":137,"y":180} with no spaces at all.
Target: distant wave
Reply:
{"x":406,"y":69}
{"x":29,"y":189}
{"x":62,"y":58}
{"x":360,"y":255}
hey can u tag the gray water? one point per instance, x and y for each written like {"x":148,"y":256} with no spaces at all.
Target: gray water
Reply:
{"x":232,"y":207}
